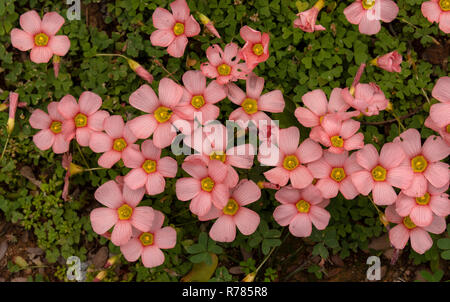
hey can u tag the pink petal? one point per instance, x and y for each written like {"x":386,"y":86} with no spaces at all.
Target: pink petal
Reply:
{"x":187,"y":188}
{"x":316,"y":101}
{"x":421,"y":215}
{"x":301,"y":177}
{"x":191,"y":27}
{"x":220,"y":195}
{"x":354,"y":12}
{"x":132,"y":249}
{"x":21,"y":39}
{"x":195,"y":168}
{"x":224,"y":229}
{"x":243,"y":159}
{"x":306,"y":117}
{"x":355,"y":142}
{"x":44,"y":139}
{"x":300,"y":225}
{"x":312,"y":195}
{"x":177,"y":47}
{"x":246,"y":192}
{"x":60,"y":145}
{"x":170,"y":92}
{"x":232,"y":178}
{"x":68,"y":107}
{"x":209,"y":112}
{"x":437,"y":174}
{"x":435,"y":148}
{"x":288,"y":195}
{"x":431,"y":11}
{"x":150,"y":151}
{"x":388,"y":10}
{"x":411,"y":142}
{"x":249,"y":34}
{"x":383,"y":194}
{"x":391,"y":155}
{"x":163,"y":19}
{"x":201,"y":203}
{"x":108,"y":159}
{"x":41,"y":54}
{"x":418,"y":186}
{"x":158,"y":221}
{"x":40,"y":120}
{"x":136,"y":178}
{"x":109,"y":194}
{"x":278,"y":175}
{"x":337,"y":102}
{"x":214,"y":93}
{"x":102,"y":219}
{"x":440,"y":114}
{"x":152,"y":256}
{"x":83,"y":136}
{"x":349,"y":128}
{"x":194,"y":81}
{"x":60,"y":45}
{"x":166,"y":238}
{"x":230,"y":53}
{"x":121,"y":233}
{"x":399,"y":236}
{"x":180,"y":10}
{"x":51,"y":23}
{"x":217,"y":170}
{"x":162,"y":37}
{"x":155,"y":184}
{"x":369,"y":26}
{"x":367,"y":157}
{"x":363,"y":182}
{"x":319,"y":168}
{"x":284,"y":214}
{"x":167,"y":166}
{"x":236,"y":94}
{"x":272,"y":102}
{"x":89,"y":102}
{"x":289,"y":139}
{"x":31,"y":22}
{"x":132,"y":196}
{"x":437,"y":226}
{"x":215,"y":55}
{"x":329,"y":188}
{"x":144,"y":99}
{"x":420,"y":240}
{"x":444,"y":23}
{"x":308,"y":151}
{"x":319,"y":217}
{"x":440,"y":205}
{"x":347,"y":189}
{"x":164,"y":135}
{"x":404,"y":204}
{"x":331,"y":124}
{"x":100,"y":142}
{"x":441,"y":90}
{"x":209,"y":70}
{"x":246,"y":220}
{"x":143,"y":126}
{"x":254,"y":87}
{"x":142,"y":218}
{"x":114,"y":126}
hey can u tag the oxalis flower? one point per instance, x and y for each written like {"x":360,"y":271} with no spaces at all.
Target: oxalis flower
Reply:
{"x":205,"y":187}
{"x":149,"y":169}
{"x":424,"y":161}
{"x":438,"y":11}
{"x":368,"y":13}
{"x":292,"y":159}
{"x":439,"y":118}
{"x":40,"y":36}
{"x":160,"y":112}
{"x":50,"y":125}
{"x":117,"y":143}
{"x":369,"y":99}
{"x":83,"y":118}
{"x":389,"y":62}
{"x":300,"y":209}
{"x":306,"y":20}
{"x":252,"y":103}
{"x":174,"y":29}
{"x":256,"y":48}
{"x":199,"y":98}
{"x":421,"y":209}
{"x":406,"y":230}
{"x":381,"y":173}
{"x":235,"y":214}
{"x":223,"y":65}
{"x":333,"y":173}
{"x":147,"y":245}
{"x":121,"y":212}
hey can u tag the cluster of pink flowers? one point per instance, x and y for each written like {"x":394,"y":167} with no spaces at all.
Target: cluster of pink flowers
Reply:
{"x":306,"y":174}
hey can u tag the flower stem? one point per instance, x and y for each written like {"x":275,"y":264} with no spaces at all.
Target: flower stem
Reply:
{"x":409,"y":23}
{"x":164,"y":68}
{"x":4,"y":148}
{"x":400,"y":125}
{"x":84,"y":159}
{"x":111,"y":55}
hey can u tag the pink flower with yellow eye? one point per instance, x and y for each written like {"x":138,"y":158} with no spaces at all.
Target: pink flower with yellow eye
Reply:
{"x":40,"y":36}
{"x":369,"y":99}
{"x":256,"y":48}
{"x":439,"y":118}
{"x":148,"y":244}
{"x":121,"y":212}
{"x":438,"y":11}
{"x":174,"y":28}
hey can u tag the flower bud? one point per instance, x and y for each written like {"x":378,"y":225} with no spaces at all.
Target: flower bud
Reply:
{"x":140,"y":71}
{"x":13,"y":102}
{"x":250,"y":277}
{"x":100,"y":276}
{"x":56,"y":63}
{"x":111,"y":261}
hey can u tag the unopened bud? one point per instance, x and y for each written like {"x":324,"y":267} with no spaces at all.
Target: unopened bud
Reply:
{"x":205,"y":20}
{"x":100,"y":276}
{"x":10,"y":125}
{"x":111,"y":261}
{"x":250,"y":277}
{"x":75,"y":169}
{"x":140,"y":71}
{"x":56,"y":64}
{"x":389,"y":107}
{"x":384,"y":220}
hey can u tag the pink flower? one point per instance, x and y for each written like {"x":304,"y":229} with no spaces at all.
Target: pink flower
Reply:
{"x":424,"y":161}
{"x":369,"y":99}
{"x":438,"y":11}
{"x":390,"y":62}
{"x":368,"y":13}
{"x":253,"y":103}
{"x":40,"y":36}
{"x":140,"y":71}
{"x":439,"y":118}
{"x":333,"y":172}
{"x":440,"y":126}
{"x":291,"y":159}
{"x":121,"y":211}
{"x":174,"y":29}
{"x":300,"y":209}
{"x":406,"y":229}
{"x":13,"y":102}
{"x":256,"y":48}
{"x":209,"y":25}
{"x":421,"y":209}
{"x":205,"y":187}
{"x":381,"y":173}
{"x":234,"y":214}
{"x":199,"y":98}
{"x":83,"y":118}
{"x":441,"y":91}
{"x":117,"y":143}
{"x":317,"y":107}
{"x":338,"y":135}
{"x":223,"y":65}
{"x":148,"y":244}
{"x":160,"y":111}
{"x":149,"y":169}
{"x":306,"y":20}
{"x":51,"y":125}
{"x":56,"y":65}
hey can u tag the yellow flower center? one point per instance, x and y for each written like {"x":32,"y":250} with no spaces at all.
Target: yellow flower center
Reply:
{"x":419,"y":163}
{"x":379,"y":173}
{"x":424,"y":200}
{"x":198,"y":101}
{"x":302,"y":206}
{"x":41,"y":39}
{"x":218,"y":155}
{"x":321,"y":119}
{"x":445,"y":5}
{"x":447,"y":128}
{"x":207,"y":184}
{"x":250,"y":106}
{"x":224,"y":70}
{"x":258,"y":49}
{"x":80,"y":120}
{"x":337,"y":174}
{"x":149,"y":166}
{"x":408,"y":223}
{"x":367,"y":4}
{"x":231,"y":208}
{"x":146,"y":239}
{"x":163,"y":114}
{"x":337,"y":141}
{"x":56,"y":127}
{"x":125,"y":212}
{"x":178,"y":29}
{"x":119,"y":144}
{"x":290,"y":162}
